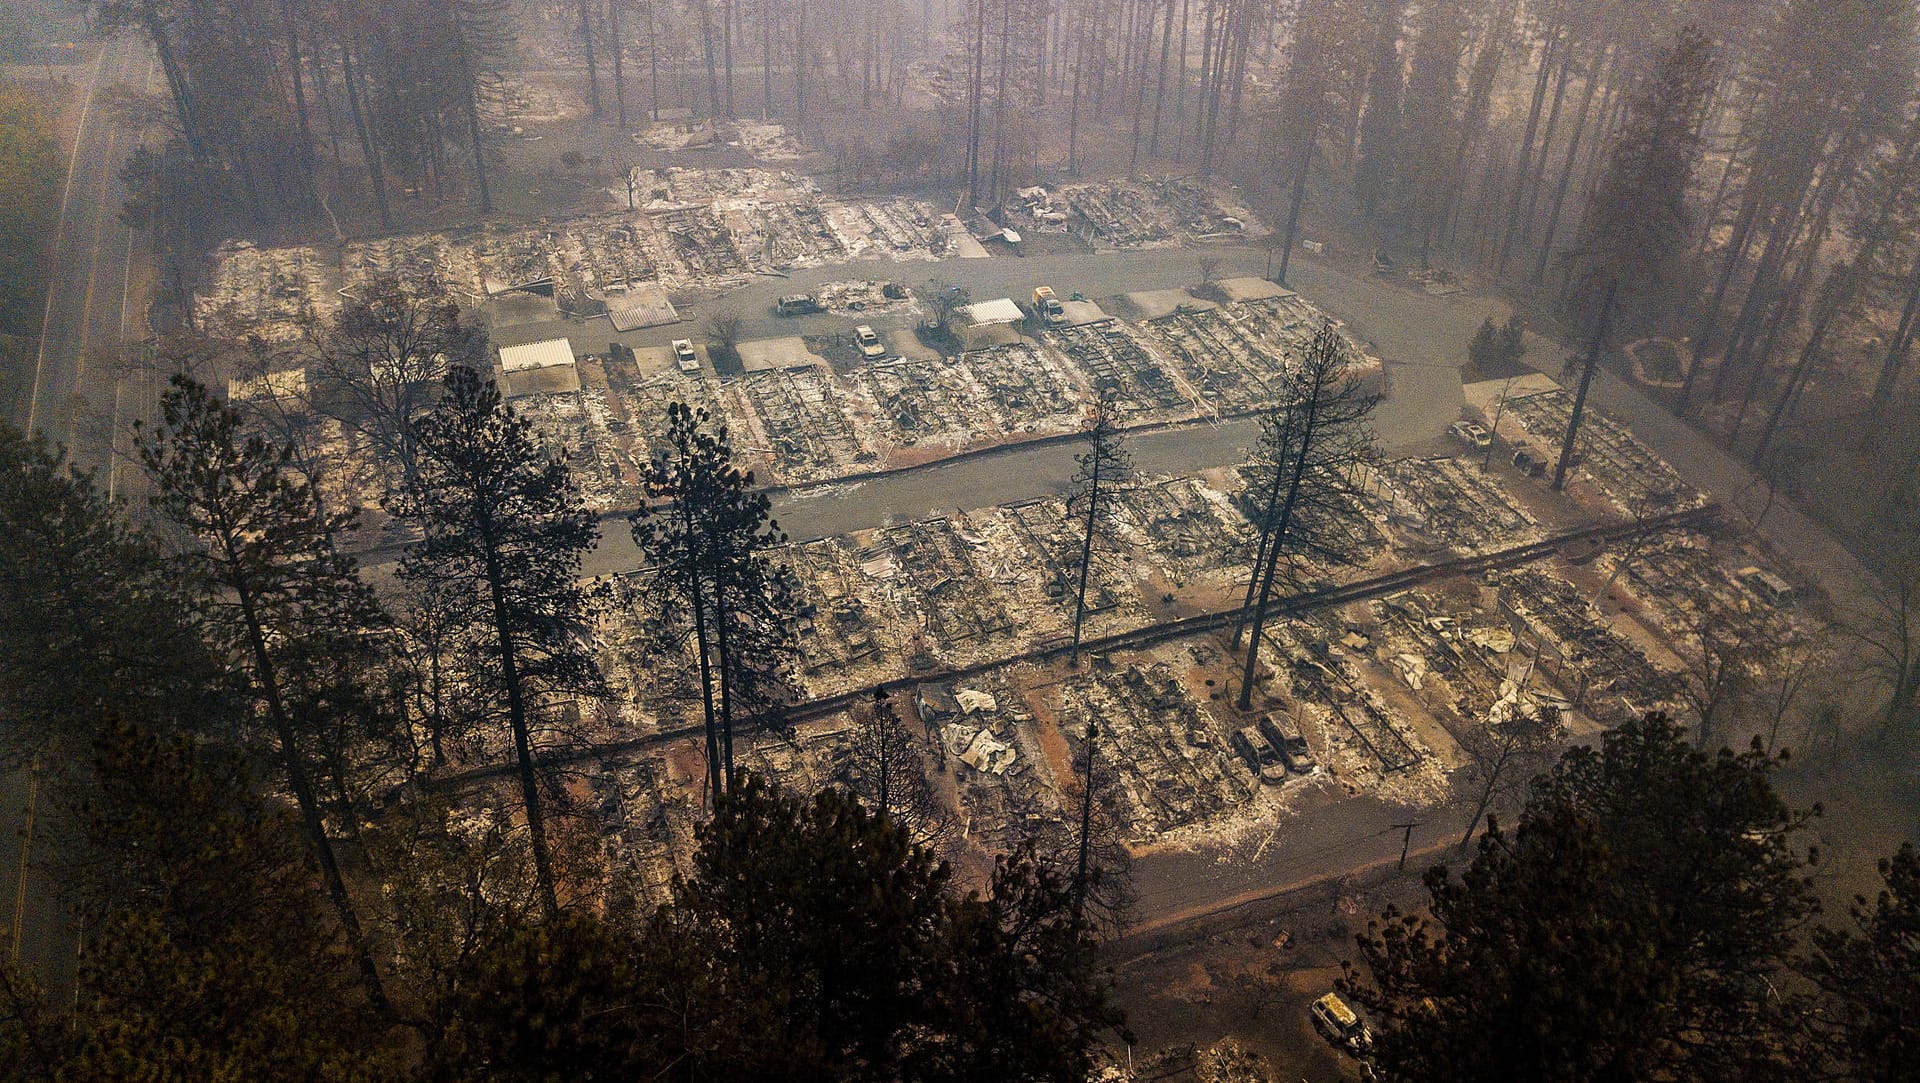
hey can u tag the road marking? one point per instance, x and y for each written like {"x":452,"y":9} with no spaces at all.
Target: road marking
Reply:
{"x":126,"y":296}
{"x":66,"y":195}
{"x":93,"y":277}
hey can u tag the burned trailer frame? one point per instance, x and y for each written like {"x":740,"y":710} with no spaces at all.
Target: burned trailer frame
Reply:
{"x":929,"y":554}
{"x":1556,"y":614}
{"x":1043,"y":525}
{"x":1123,"y":370}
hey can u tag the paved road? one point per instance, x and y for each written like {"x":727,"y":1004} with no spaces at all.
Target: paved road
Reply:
{"x":1403,"y":324}
{"x":92,"y":305}
{"x":73,"y":396}
{"x":1326,"y":839}
{"x":1423,"y":336}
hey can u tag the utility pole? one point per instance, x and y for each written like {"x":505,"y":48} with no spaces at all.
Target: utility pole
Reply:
{"x":1498,"y":410}
{"x":1586,"y":380}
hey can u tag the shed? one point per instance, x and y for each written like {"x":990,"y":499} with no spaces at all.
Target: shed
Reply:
{"x":987,"y":313}
{"x":539,"y":368}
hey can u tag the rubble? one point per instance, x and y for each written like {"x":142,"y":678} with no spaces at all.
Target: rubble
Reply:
{"x":1448,"y":504}
{"x":1612,"y":676}
{"x":1123,"y":214}
{"x":1607,"y":457}
{"x":799,"y":417}
{"x":271,"y":293}
{"x":1231,"y":355}
{"x":428,"y":259}
{"x":1168,"y":749}
{"x":1125,"y":371}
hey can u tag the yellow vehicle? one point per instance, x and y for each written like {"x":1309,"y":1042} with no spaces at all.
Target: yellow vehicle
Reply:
{"x":1340,"y":1025}
{"x":1047,"y":305}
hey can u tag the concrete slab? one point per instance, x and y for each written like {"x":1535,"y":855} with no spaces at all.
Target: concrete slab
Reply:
{"x":1484,"y":396}
{"x":518,"y":307}
{"x":1421,"y":401}
{"x":767,"y":354}
{"x":655,"y":360}
{"x":1081,"y":313}
{"x":1249,"y":288}
{"x":1154,"y":304}
{"x":550,"y":380}
{"x":964,"y":244}
{"x":644,"y":305}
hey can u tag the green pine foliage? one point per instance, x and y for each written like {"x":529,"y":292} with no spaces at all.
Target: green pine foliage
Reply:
{"x":813,"y":941}
{"x":1639,"y":220}
{"x":1631,"y":926}
{"x":503,"y":528}
{"x":211,"y":957}
{"x":717,"y":580}
{"x":1870,"y":973}
{"x":97,"y":623}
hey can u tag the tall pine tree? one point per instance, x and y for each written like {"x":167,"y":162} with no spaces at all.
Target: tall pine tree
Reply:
{"x":282,"y":602}
{"x":711,"y":547}
{"x":503,"y":531}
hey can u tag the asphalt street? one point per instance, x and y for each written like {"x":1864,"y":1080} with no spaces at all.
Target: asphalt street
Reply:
{"x":93,"y":307}
{"x":1404,"y":325}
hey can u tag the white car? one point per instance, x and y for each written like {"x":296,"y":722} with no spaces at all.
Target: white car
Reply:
{"x":684,"y":355}
{"x":869,"y":343}
{"x":1471,"y":434}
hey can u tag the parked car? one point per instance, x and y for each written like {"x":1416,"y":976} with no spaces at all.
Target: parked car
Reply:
{"x":1340,"y":1025}
{"x":796,"y":304}
{"x":683,"y":355}
{"x":1259,"y":754}
{"x":1048,"y":306}
{"x":1529,"y":461}
{"x":869,"y":343}
{"x":1279,"y":732}
{"x":1471,"y":434}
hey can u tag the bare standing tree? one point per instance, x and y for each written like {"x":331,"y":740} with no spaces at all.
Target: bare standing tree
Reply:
{"x":379,"y":362}
{"x":1799,"y":668}
{"x":1517,"y":742}
{"x":1889,"y":629}
{"x":1105,"y":469}
{"x":1722,"y":658}
{"x":943,"y":300}
{"x":1301,"y":485}
{"x":723,"y":337}
{"x":888,"y":772}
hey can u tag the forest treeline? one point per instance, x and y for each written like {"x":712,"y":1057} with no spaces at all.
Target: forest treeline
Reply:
{"x":1744,"y":170}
